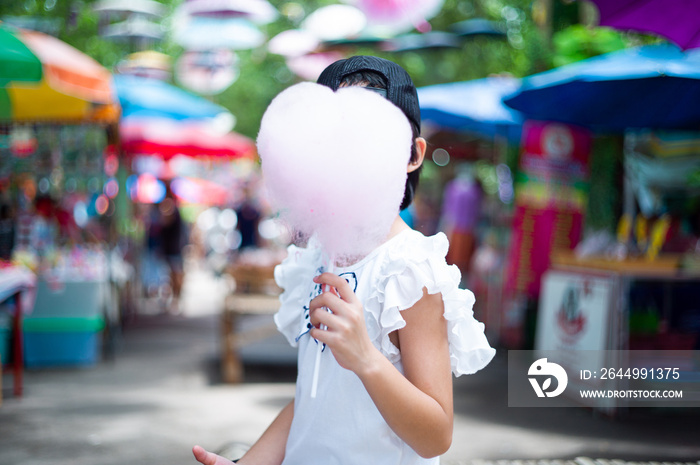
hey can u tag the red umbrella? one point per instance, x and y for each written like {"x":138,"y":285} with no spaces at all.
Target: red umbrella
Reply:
{"x":170,"y":138}
{"x":677,"y":20}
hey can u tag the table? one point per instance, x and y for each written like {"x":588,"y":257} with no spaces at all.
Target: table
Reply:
{"x":17,"y":282}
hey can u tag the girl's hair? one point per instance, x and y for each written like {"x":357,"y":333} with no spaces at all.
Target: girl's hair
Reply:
{"x":368,"y":78}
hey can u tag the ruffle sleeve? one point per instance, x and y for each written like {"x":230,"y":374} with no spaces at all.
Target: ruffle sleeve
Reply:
{"x":405,"y":270}
{"x":294,"y":275}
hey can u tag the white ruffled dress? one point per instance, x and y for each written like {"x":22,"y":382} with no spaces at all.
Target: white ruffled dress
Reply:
{"x":342,"y":425}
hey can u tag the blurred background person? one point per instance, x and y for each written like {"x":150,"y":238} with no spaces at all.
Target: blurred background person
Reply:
{"x":461,"y":210}
{"x":171,"y":239}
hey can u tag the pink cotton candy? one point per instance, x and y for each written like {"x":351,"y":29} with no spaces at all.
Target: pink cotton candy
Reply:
{"x":334,"y":164}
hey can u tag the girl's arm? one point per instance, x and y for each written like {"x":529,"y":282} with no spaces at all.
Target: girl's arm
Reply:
{"x":268,"y":450}
{"x":417,"y":405}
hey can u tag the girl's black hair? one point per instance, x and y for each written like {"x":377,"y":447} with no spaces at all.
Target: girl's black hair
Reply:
{"x":368,"y":78}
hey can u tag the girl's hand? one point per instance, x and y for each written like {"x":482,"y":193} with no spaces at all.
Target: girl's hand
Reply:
{"x":346,"y":335}
{"x":207,"y":458}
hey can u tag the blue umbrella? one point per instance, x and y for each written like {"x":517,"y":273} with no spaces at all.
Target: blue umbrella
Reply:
{"x":655,"y":86}
{"x":474,"y":106}
{"x":152,"y":98}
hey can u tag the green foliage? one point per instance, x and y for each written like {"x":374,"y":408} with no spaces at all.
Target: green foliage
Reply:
{"x":579,"y":42}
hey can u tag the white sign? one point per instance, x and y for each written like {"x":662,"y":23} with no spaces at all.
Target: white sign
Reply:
{"x":574,"y":312}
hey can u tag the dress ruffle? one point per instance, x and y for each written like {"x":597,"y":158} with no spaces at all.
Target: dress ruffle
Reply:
{"x":403,"y":267}
{"x":294,"y":275}
{"x":407,"y":268}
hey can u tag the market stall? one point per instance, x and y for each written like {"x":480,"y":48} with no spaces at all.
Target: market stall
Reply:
{"x":618,"y":292}
{"x":650,"y":266}
{"x":648,"y":87}
{"x":58,"y":113}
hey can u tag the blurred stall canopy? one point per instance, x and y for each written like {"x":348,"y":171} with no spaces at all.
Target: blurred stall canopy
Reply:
{"x":644,"y":87}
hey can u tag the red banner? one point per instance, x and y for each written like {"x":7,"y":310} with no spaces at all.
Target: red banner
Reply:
{"x":550,"y":201}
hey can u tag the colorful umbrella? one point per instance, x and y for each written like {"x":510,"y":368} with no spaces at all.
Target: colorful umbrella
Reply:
{"x":152,"y":98}
{"x":474,"y":106}
{"x":676,"y":20}
{"x":168,"y":138}
{"x":69,"y":85}
{"x":643,"y":87}
{"x":17,"y":62}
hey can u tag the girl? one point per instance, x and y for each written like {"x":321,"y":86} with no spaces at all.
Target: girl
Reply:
{"x":398,"y":328}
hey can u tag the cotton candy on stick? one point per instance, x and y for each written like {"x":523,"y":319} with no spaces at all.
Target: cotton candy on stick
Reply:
{"x":334,"y":164}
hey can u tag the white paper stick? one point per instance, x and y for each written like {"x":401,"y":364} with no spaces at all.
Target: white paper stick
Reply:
{"x":317,"y":364}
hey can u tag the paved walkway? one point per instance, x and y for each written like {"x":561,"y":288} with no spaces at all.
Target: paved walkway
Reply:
{"x":161,"y":394}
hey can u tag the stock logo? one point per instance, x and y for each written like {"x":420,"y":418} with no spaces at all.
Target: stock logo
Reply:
{"x":542,"y":369}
